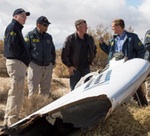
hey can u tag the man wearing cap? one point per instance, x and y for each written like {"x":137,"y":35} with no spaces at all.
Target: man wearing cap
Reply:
{"x":78,"y":52}
{"x":42,"y":52}
{"x":17,"y":59}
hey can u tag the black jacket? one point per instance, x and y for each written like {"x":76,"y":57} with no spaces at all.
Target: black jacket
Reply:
{"x":14,"y":44}
{"x":41,"y":48}
{"x":71,"y":50}
{"x":132,"y":47}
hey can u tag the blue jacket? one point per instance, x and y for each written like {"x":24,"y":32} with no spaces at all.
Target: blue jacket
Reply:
{"x":132,"y":47}
{"x":14,"y":44}
{"x":41,"y":48}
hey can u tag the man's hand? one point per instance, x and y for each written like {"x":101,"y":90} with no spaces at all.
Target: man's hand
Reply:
{"x":101,"y":40}
{"x":71,"y":70}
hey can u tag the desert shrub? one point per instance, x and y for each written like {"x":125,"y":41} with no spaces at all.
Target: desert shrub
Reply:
{"x":3,"y":94}
{"x":31,"y":105}
{"x":38,"y":101}
{"x":60,"y":69}
{"x":3,"y":71}
{"x":56,"y":84}
{"x":100,"y":60}
{"x":1,"y":46}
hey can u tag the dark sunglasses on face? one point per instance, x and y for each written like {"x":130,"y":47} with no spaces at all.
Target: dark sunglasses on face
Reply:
{"x":46,"y":25}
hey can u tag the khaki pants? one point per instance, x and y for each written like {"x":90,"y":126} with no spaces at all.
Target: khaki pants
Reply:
{"x":39,"y":79}
{"x":17,"y":72}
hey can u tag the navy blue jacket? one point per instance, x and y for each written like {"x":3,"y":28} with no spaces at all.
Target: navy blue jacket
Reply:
{"x":132,"y":47}
{"x":41,"y":48}
{"x":14,"y":44}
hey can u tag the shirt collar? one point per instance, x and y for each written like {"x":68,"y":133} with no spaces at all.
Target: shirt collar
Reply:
{"x":122,"y":36}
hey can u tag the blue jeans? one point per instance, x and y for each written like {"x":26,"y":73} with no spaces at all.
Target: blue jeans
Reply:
{"x":77,"y":76}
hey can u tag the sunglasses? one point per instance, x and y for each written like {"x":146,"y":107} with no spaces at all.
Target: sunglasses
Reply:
{"x":45,"y":25}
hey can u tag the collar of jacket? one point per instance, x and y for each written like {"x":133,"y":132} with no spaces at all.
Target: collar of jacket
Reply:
{"x":35,"y":31}
{"x":20,"y":26}
{"x":76,"y":35}
{"x":125,"y":32}
{"x":128,"y":34}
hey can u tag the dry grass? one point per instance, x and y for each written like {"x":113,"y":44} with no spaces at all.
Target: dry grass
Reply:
{"x":3,"y":72}
{"x":32,"y":105}
{"x":39,"y":101}
{"x":128,"y":120}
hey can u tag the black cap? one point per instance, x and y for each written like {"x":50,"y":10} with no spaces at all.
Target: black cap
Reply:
{"x":42,"y":20}
{"x":20,"y":11}
{"x":80,"y":21}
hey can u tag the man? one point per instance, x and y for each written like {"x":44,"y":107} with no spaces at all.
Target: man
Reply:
{"x":147,"y":45}
{"x":17,"y":60}
{"x":78,"y":52}
{"x":125,"y":45}
{"x":42,"y":52}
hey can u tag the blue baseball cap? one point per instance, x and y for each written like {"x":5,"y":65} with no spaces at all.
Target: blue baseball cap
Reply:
{"x":42,"y":20}
{"x":20,"y":11}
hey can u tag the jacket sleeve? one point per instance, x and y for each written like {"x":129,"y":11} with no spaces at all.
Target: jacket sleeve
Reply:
{"x":66,"y":53}
{"x":28,"y":41}
{"x":104,"y":47}
{"x":53,"y":52}
{"x":94,"y":48}
{"x":139,"y":47}
{"x":12,"y":42}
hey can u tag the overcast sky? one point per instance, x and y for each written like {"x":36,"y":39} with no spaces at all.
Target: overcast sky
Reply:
{"x":63,"y":13}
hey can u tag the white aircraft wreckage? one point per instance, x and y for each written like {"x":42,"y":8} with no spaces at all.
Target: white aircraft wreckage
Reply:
{"x":95,"y":97}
